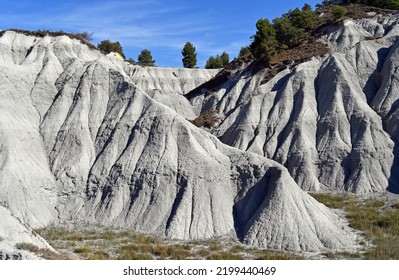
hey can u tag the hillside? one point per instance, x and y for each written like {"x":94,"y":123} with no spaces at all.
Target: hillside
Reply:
{"x":332,"y":121}
{"x":85,"y":137}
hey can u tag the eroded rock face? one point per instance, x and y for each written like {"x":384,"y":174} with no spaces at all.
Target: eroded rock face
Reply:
{"x":168,"y":85}
{"x":86,"y":142}
{"x":268,"y":212}
{"x":331,"y":121}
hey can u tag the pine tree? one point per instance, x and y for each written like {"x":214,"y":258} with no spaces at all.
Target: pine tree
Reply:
{"x":145,"y":58}
{"x":224,"y":59}
{"x":264,"y":44}
{"x":189,"y":56}
{"x":211,"y":63}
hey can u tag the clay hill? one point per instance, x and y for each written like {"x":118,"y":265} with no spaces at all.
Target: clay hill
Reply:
{"x":88,"y":137}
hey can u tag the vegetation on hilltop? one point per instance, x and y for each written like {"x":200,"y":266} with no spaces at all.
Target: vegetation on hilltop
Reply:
{"x":107,"y":46}
{"x":84,"y":37}
{"x":218,"y":61}
{"x":385,"y":4}
{"x":300,"y":26}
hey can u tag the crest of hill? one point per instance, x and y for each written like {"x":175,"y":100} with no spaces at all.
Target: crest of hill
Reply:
{"x":306,"y":49}
{"x":43,"y":33}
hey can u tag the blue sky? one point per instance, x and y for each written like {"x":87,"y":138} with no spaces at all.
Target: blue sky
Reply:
{"x":161,"y":26}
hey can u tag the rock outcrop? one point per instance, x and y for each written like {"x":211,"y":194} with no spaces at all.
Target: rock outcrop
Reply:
{"x":331,"y":121}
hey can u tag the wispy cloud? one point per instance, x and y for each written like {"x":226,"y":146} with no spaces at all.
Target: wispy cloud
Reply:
{"x":157,"y":25}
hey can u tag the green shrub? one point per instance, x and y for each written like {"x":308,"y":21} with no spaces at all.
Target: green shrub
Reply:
{"x":339,"y":12}
{"x":245,"y":53}
{"x":107,"y":46}
{"x":288,"y":35}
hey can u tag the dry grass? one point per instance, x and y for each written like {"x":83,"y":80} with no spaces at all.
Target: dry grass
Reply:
{"x":338,"y":201}
{"x":342,"y":255}
{"x":275,"y":255}
{"x":224,"y":256}
{"x":378,"y":220}
{"x":103,"y":243}
{"x":236,"y":249}
{"x":99,"y":255}
{"x":206,"y":119}
{"x":43,"y":252}
{"x":379,"y":223}
{"x":83,"y":250}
